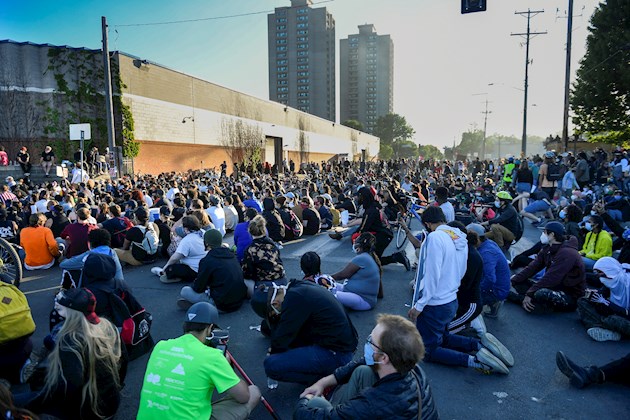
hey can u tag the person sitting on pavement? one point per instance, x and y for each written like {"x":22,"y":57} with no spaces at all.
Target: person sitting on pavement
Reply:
{"x":117,"y":226}
{"x":442,"y":265}
{"x":563,"y":281}
{"x":99,"y":242}
{"x":216,"y":213}
{"x":58,"y":220}
{"x":8,"y":228}
{"x":311,"y":220}
{"x":387,"y":382}
{"x":605,"y":312}
{"x":324,"y":213}
{"x":617,"y":371}
{"x":293,"y":228}
{"x":541,"y":203}
{"x":262,"y":264}
{"x":364,"y":276}
{"x":184,"y":263}
{"x":195,"y":370}
{"x":597,"y":244}
{"x":40,"y":247}
{"x":75,"y":235}
{"x":275,"y":226}
{"x":141,"y":241}
{"x":311,"y":335}
{"x":310,"y":263}
{"x":251,"y":202}
{"x":468,"y":294}
{"x":505,"y":226}
{"x":495,"y":282}
{"x":618,"y":207}
{"x":441,"y":198}
{"x":231,"y":214}
{"x":220,"y":278}
{"x":163,"y":224}
{"x":242,"y":237}
{"x":572,"y":216}
{"x":87,"y":366}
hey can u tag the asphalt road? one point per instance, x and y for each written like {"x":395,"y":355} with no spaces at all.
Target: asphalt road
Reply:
{"x":533,"y":389}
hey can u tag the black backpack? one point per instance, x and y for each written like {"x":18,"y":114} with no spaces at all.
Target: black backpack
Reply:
{"x":553,"y":172}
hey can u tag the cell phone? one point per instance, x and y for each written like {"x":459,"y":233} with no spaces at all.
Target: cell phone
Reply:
{"x":222,"y":347}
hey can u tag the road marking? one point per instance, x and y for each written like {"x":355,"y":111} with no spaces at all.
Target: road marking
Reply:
{"x":41,"y":290}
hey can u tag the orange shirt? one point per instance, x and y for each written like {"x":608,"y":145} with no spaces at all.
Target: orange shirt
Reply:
{"x":39,"y":245}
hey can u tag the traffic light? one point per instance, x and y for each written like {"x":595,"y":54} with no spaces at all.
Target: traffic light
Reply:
{"x":471,"y":6}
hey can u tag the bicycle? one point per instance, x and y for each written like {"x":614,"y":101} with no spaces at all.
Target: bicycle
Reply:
{"x":10,"y":264}
{"x":412,"y":211}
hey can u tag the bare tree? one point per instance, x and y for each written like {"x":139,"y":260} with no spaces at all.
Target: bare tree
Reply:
{"x":242,"y":141}
{"x":303,"y":141}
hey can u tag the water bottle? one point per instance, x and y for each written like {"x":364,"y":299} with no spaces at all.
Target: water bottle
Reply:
{"x":272,"y":383}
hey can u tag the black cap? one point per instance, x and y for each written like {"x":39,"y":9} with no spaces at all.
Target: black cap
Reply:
{"x":99,"y":266}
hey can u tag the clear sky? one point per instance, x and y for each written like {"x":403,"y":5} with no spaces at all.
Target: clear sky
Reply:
{"x":442,"y":60}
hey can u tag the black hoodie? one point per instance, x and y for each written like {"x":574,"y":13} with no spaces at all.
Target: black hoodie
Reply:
{"x":275,"y":227}
{"x":220,"y":271}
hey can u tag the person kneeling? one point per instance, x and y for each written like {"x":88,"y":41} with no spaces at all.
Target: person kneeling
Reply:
{"x":387,"y":382}
{"x":311,"y":335}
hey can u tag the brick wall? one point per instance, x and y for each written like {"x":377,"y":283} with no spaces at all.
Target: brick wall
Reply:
{"x":156,"y":157}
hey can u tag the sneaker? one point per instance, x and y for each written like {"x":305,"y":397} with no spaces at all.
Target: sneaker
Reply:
{"x":401,"y":257}
{"x":489,"y":363}
{"x":157,"y":271}
{"x":578,"y":376}
{"x":165,"y":279}
{"x":602,"y":334}
{"x":184,"y":304}
{"x":335,"y":235}
{"x":497,"y":348}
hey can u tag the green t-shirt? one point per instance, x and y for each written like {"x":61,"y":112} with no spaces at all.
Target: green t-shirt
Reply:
{"x":181,"y":376}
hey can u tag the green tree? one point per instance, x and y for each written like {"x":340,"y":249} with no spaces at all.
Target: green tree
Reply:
{"x":601,"y":93}
{"x":356,"y":124}
{"x":386,"y":152}
{"x":472,"y":141}
{"x":429,"y":151}
{"x":393,"y":129}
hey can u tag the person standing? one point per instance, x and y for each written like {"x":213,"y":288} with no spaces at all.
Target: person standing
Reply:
{"x":442,"y":265}
{"x":183,"y":373}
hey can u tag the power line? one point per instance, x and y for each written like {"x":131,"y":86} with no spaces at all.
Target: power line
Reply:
{"x":209,"y":18}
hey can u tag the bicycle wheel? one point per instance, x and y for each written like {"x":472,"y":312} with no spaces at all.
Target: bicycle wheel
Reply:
{"x":10,"y":264}
{"x":401,"y":237}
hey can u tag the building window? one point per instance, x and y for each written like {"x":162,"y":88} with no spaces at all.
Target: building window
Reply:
{"x":283,"y":96}
{"x":302,"y":60}
{"x":282,"y":68}
{"x":303,"y":108}
{"x":281,"y":48}
{"x":283,"y":89}
{"x":303,"y":101}
{"x":353,"y":39}
{"x":302,"y":87}
{"x":282,"y":75}
{"x":302,"y":18}
{"x":302,"y":32}
{"x":302,"y":67}
{"x":281,"y":34}
{"x":302,"y":74}
{"x":302,"y":46}
{"x":282,"y":62}
{"x":303,"y":94}
{"x":302,"y":25}
{"x":281,"y":27}
{"x":303,"y":81}
{"x":281,"y":41}
{"x":281,"y":20}
{"x":302,"y":53}
{"x":302,"y":39}
{"x":282,"y":82}
{"x":302,"y":11}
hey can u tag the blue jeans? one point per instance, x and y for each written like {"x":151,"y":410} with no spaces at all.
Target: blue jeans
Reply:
{"x":588,"y":263}
{"x":616,"y":215}
{"x":441,"y":346}
{"x":304,"y":365}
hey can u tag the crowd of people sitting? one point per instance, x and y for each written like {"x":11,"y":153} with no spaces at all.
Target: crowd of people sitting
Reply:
{"x":472,"y":213}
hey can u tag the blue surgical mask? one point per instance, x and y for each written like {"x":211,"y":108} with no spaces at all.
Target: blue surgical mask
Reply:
{"x":497,"y":204}
{"x":368,"y":354}
{"x":588,"y":226}
{"x":562,"y":214}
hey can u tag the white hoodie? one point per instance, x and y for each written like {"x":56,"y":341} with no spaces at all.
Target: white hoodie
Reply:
{"x":442,"y":264}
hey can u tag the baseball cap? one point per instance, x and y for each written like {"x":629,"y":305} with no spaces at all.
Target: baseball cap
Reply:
{"x":555,"y":227}
{"x":81,"y":300}
{"x":477,"y":228}
{"x":289,"y":195}
{"x":213,"y":238}
{"x":164,"y":210}
{"x":202,"y":313}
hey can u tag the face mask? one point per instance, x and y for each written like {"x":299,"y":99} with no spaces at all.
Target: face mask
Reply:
{"x":544,"y":239}
{"x":588,"y":226}
{"x":617,"y":197}
{"x":573,"y":197}
{"x":368,"y":354}
{"x":354,"y":249}
{"x":593,"y":213}
{"x":562,"y":214}
{"x":497,"y":204}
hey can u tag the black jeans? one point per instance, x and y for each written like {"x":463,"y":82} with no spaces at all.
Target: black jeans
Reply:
{"x":26,"y":167}
{"x":618,"y":371}
{"x":181,"y":271}
{"x":598,"y":315}
{"x":554,"y":299}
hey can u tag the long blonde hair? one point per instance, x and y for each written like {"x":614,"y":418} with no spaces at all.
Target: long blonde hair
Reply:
{"x":89,"y":343}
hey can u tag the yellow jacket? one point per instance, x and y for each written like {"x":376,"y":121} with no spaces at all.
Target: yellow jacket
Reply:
{"x":597,"y":245}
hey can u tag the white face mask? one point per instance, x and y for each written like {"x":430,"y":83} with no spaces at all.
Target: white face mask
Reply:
{"x":562,"y":214}
{"x":573,"y":197}
{"x":354,"y":249}
{"x":544,"y":239}
{"x":497,"y":204}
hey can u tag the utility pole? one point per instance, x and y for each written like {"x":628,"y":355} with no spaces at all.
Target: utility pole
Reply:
{"x":485,"y":125}
{"x":527,"y":35}
{"x":109,"y":108}
{"x":567,"y":78}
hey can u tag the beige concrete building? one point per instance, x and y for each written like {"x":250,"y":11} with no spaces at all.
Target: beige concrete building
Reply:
{"x":180,"y":121}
